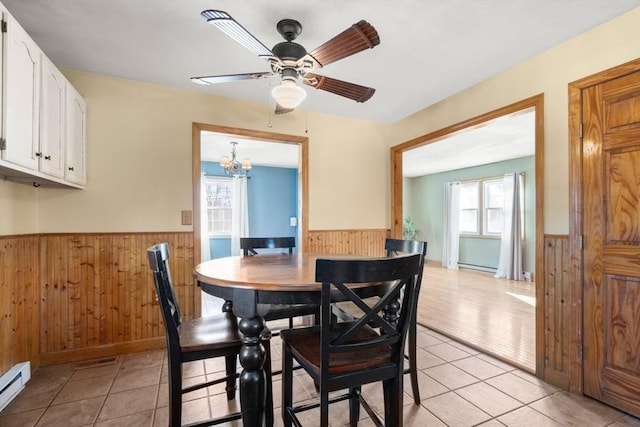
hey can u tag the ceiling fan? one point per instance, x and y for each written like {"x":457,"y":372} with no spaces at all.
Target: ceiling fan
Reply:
{"x":291,"y":61}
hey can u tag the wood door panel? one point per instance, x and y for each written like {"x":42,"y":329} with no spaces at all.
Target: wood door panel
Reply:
{"x":620,"y":112}
{"x":621,"y":324}
{"x":611,"y":194}
{"x":623,"y":113}
{"x":623,"y":225}
{"x":625,"y":260}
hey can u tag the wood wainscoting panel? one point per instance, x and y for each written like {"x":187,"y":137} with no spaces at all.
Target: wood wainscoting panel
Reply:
{"x":347,"y":242}
{"x":557,"y":310}
{"x":19,"y":320}
{"x":97,"y":290}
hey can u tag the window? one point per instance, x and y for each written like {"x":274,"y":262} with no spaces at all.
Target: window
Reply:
{"x":219,"y":205}
{"x":493,"y":200}
{"x":481,"y":212}
{"x":469,"y":213}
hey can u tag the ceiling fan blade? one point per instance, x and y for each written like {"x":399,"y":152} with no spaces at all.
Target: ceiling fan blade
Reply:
{"x":358,"y":37}
{"x":282,"y":110}
{"x":339,"y":87}
{"x":209,"y":80}
{"x":233,"y":29}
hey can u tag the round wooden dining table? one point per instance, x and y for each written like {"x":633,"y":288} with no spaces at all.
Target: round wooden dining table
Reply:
{"x":251,"y":284}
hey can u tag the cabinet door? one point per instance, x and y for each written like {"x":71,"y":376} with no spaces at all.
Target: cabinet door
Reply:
{"x":76,"y":112}
{"x":22,"y":97}
{"x":52,"y":119}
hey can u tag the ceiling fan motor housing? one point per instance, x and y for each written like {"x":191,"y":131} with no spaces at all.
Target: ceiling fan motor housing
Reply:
{"x":289,"y":51}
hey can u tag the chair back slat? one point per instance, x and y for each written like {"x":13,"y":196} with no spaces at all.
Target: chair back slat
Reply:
{"x":395,"y":247}
{"x":250,"y":244}
{"x":398,"y":274}
{"x":398,"y":246}
{"x":159,"y":263}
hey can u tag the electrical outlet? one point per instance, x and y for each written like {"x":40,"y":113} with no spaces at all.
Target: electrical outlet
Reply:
{"x":187,"y":217}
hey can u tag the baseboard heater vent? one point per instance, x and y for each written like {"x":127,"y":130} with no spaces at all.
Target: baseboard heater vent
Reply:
{"x":478,"y":267}
{"x":12,"y":382}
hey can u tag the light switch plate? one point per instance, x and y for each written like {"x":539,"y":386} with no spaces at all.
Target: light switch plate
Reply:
{"x":187,"y":217}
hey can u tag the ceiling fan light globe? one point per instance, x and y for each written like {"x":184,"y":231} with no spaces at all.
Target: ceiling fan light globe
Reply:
{"x":225,"y":161}
{"x":288,"y":94}
{"x":246,"y":164}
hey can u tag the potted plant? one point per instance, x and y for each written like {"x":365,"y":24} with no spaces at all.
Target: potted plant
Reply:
{"x":409,"y":230}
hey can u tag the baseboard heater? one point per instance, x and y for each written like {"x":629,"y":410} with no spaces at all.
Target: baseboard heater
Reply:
{"x":477,"y":267}
{"x":13,"y":381}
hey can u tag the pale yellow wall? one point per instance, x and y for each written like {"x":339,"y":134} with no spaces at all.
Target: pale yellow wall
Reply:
{"x":139,"y":160}
{"x":139,"y":145}
{"x":18,"y":208}
{"x":611,"y":44}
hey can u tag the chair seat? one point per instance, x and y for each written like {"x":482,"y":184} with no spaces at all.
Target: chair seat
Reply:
{"x":305,"y":345}
{"x":207,"y":333}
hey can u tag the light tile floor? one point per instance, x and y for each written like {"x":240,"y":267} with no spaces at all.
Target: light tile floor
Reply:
{"x":459,"y":387}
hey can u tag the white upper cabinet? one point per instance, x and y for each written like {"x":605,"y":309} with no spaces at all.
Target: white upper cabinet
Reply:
{"x":75,"y":168}
{"x":52,"y":120}
{"x":43,"y":126}
{"x":22,"y":93}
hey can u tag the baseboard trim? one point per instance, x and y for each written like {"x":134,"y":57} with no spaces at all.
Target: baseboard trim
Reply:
{"x":97,"y":352}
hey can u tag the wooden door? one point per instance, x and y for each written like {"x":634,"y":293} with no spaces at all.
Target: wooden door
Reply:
{"x":611,"y":194}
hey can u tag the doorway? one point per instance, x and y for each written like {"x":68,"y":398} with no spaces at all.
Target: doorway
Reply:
{"x":257,"y":138}
{"x":535,"y":104}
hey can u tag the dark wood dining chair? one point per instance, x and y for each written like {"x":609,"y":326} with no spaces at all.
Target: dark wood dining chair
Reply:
{"x":250,"y":246}
{"x":197,"y":339}
{"x":345,"y":355}
{"x":395,"y":247}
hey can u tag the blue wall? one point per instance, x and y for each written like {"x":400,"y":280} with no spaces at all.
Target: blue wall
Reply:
{"x":272,"y":198}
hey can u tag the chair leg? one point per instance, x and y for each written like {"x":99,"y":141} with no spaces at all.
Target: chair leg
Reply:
{"x":354,"y":406}
{"x":230,"y":361}
{"x":231,"y":365}
{"x":392,"y":390}
{"x":413,"y":364}
{"x":324,"y":405}
{"x":268,"y":416}
{"x":287,"y":385}
{"x":175,"y":393}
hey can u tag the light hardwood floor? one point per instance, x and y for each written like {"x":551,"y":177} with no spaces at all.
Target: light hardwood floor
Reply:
{"x":496,"y":316}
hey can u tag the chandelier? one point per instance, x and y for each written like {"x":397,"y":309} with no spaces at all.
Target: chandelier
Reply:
{"x":232,"y":166}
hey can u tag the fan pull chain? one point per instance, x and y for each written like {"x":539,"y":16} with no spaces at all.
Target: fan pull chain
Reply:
{"x":270,"y":123}
{"x":306,"y":120}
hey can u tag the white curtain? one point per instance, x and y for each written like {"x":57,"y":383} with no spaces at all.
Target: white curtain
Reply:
{"x":510,"y":263}
{"x":240,"y":219}
{"x":451,"y":240}
{"x":210,"y":305}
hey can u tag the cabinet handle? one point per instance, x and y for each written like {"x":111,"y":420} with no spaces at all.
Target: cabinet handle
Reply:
{"x":71,"y":168}
{"x":47,"y":157}
{"x":38,"y":154}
